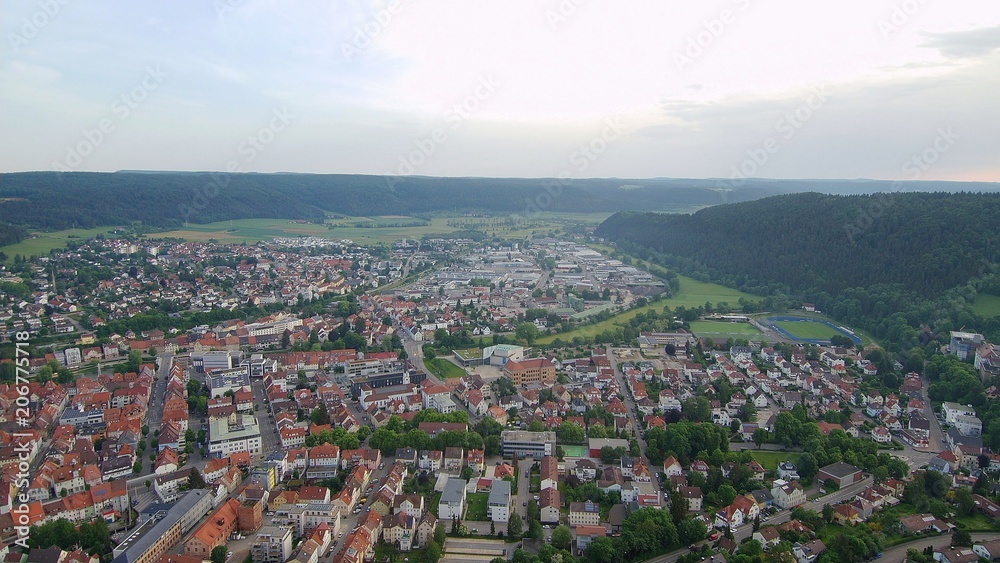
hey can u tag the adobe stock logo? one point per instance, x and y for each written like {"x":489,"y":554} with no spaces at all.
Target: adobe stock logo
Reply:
{"x":364,"y":35}
{"x":787,"y":126}
{"x":700,"y":42}
{"x":32,"y":26}
{"x":121,"y":108}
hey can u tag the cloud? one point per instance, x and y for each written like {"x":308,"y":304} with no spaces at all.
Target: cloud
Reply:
{"x":969,"y":44}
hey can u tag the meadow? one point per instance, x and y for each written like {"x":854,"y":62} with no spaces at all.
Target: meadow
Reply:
{"x":41,"y":243}
{"x":987,"y":305}
{"x":692,"y":293}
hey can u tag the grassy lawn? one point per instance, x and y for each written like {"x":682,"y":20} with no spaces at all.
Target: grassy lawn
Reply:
{"x":477,"y":506}
{"x":724,"y":330}
{"x":41,"y":243}
{"x":978,"y":523}
{"x":986,"y":305}
{"x":442,"y":368}
{"x":808,"y":329}
{"x":690,"y":294}
{"x":770,"y":460}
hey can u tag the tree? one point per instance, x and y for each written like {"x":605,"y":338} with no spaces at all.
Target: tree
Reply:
{"x":196,"y":481}
{"x":570,"y":433}
{"x":726,"y":494}
{"x":828,"y":513}
{"x":535,"y":531}
{"x":961,"y":537}
{"x":526,"y":331}
{"x":602,"y":550}
{"x":440,"y":535}
{"x":515,"y":525}
{"x":965,"y":504}
{"x":760,"y":437}
{"x":219,"y":554}
{"x":320,"y":416}
{"x":808,"y":466}
{"x":562,"y":538}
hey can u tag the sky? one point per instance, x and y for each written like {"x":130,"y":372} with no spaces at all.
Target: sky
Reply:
{"x":885,"y":89}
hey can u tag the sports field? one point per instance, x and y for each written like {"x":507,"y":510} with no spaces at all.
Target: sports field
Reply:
{"x":575,"y":451}
{"x":804,"y":329}
{"x":725,"y":330}
{"x":443,"y":368}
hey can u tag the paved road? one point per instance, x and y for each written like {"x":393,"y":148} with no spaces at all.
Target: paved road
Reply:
{"x":632,"y":410}
{"x":936,"y":441}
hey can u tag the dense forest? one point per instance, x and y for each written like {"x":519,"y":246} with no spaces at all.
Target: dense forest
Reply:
{"x":164,"y":199}
{"x":893,"y":264}
{"x":49,"y":200}
{"x":9,"y":234}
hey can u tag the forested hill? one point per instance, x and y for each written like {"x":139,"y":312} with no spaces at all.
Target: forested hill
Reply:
{"x":904,"y":267}
{"x":48,"y":200}
{"x":166,"y":199}
{"x":816,"y":243}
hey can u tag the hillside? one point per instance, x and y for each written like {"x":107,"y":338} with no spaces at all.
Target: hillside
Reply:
{"x":166,"y":199}
{"x":860,"y":258}
{"x":47,"y":200}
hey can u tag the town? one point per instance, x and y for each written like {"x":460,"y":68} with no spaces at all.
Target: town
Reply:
{"x":307,"y":400}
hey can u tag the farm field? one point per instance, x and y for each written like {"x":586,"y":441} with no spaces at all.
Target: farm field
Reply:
{"x":443,"y":368}
{"x":42,"y":243}
{"x":362,"y":230}
{"x":691,"y":293}
{"x":987,"y":305}
{"x":724,"y":330}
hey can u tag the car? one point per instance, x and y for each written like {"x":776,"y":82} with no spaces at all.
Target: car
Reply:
{"x":525,"y":503}
{"x":229,"y":554}
{"x":694,"y":547}
{"x":340,"y":535}
{"x":714,"y":536}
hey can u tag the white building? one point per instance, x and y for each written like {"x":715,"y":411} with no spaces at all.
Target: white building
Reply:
{"x":452,"y":503}
{"x":237,"y":433}
{"x":498,"y":506}
{"x":953,"y":410}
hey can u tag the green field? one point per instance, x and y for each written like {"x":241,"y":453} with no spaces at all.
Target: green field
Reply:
{"x":725,"y":330}
{"x":362,"y":230}
{"x":808,"y":329}
{"x":691,"y":293}
{"x":41,"y":243}
{"x":987,"y":305}
{"x":443,"y":368}
{"x":477,"y":506}
{"x":255,"y":230}
{"x":770,"y":460}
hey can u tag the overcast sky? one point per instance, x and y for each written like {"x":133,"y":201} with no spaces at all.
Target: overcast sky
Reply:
{"x":536,"y":88}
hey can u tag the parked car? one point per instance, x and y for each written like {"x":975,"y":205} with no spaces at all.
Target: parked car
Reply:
{"x":714,"y":536}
